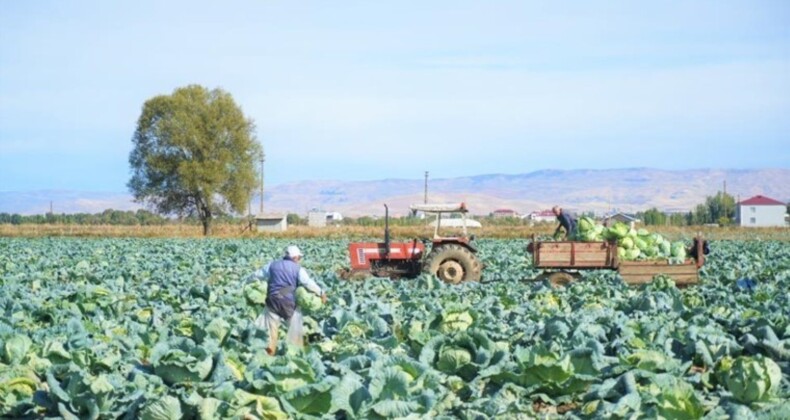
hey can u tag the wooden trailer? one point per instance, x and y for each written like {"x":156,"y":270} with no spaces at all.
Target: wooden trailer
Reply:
{"x":562,"y":260}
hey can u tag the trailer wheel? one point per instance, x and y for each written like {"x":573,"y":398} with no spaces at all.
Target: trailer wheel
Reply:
{"x":561,"y":278}
{"x":346,"y":274}
{"x":453,"y":264}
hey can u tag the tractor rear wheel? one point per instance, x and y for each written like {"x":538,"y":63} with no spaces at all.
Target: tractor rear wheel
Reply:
{"x":453,"y":264}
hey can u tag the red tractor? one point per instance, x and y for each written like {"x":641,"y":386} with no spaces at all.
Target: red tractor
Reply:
{"x":453,"y":259}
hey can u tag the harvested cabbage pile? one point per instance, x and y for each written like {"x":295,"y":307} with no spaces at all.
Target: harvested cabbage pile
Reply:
{"x":632,"y":244}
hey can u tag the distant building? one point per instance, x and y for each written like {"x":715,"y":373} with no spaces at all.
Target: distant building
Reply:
{"x":316,"y":218}
{"x":761,"y":211}
{"x":541,"y":216}
{"x":620,"y":217}
{"x":501,"y":213}
{"x":333,"y":217}
{"x":271,"y":223}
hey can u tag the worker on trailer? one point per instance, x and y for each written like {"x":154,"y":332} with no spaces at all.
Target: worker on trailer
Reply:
{"x":567,"y":222}
{"x":696,"y":243}
{"x":283,"y":277}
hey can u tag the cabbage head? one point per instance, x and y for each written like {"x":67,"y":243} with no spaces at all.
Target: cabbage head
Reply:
{"x":452,"y":358}
{"x":632,"y":254}
{"x":665,"y":248}
{"x":586,"y":224}
{"x":678,"y":250}
{"x":455,"y":321}
{"x":673,"y":398}
{"x":15,"y":348}
{"x":255,"y":293}
{"x":165,"y":408}
{"x":651,"y":251}
{"x":590,"y":236}
{"x":640,"y":243}
{"x":618,"y":230}
{"x":181,"y":361}
{"x":464,"y":354}
{"x":750,"y":379}
{"x":627,"y":242}
{"x":655,"y":239}
{"x":307,"y":301}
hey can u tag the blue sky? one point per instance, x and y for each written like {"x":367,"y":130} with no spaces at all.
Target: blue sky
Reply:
{"x":361,"y":90}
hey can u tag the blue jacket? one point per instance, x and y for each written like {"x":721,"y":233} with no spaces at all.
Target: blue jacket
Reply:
{"x":567,"y":222}
{"x":283,"y":280}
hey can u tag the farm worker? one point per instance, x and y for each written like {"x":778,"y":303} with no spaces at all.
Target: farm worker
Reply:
{"x":283,"y":277}
{"x":566,"y":222}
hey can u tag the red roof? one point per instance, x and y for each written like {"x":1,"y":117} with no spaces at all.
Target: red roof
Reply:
{"x":759,"y":200}
{"x":504,"y":211}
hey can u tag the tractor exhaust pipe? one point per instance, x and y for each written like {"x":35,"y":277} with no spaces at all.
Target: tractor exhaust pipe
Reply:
{"x":386,"y":252}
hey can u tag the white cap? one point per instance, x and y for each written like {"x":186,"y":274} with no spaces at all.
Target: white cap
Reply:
{"x":292,"y":251}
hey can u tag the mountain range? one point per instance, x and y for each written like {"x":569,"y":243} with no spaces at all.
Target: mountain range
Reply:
{"x":582,"y":190}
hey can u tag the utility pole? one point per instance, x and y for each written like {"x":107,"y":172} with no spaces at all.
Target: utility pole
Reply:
{"x":724,"y":201}
{"x":425,"y":198}
{"x":263,"y":158}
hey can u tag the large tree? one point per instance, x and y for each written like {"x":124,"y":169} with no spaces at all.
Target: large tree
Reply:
{"x":194,"y":154}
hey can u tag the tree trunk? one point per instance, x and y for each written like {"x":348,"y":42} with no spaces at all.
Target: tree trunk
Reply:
{"x":204,"y":213}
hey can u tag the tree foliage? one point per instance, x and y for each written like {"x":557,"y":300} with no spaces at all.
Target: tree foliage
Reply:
{"x":719,"y":208}
{"x":294,"y":219}
{"x":194,"y":154}
{"x":107,"y":217}
{"x":653,"y":217}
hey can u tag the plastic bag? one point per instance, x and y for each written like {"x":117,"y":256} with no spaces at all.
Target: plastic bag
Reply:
{"x":260,"y":322}
{"x":296,"y":329}
{"x":746,"y":284}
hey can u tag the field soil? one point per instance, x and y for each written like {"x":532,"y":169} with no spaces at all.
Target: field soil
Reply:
{"x":361,"y":232}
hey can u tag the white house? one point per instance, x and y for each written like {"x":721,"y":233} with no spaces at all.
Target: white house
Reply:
{"x":541,"y":216}
{"x":503,"y":213}
{"x":761,"y":211}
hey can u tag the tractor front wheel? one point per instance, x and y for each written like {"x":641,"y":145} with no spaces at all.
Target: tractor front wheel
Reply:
{"x":453,"y":264}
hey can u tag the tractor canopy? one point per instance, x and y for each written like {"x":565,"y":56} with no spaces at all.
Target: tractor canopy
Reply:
{"x":439,"y":208}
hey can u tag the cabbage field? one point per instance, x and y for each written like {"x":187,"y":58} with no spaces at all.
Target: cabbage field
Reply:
{"x":164,"y":329}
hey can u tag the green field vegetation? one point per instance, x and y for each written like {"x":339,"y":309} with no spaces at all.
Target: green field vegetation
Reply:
{"x":163,"y":328}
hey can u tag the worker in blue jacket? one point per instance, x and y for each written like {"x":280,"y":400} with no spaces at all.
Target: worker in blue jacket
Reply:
{"x":567,"y":222}
{"x":283,"y":276}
